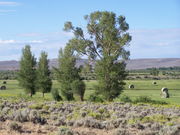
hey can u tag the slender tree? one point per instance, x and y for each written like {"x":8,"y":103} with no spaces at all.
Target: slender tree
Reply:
{"x":106,"y":43}
{"x":27,"y":72}
{"x":43,"y":74}
{"x":67,"y":73}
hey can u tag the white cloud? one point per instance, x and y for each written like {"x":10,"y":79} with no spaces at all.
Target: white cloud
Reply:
{"x":36,"y":41}
{"x":153,"y":43}
{"x":7,"y":41}
{"x":8,"y":3}
{"x":7,"y":11}
{"x":147,"y":43}
{"x":49,"y":42}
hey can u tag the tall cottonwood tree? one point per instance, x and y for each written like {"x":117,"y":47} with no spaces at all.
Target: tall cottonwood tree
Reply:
{"x":106,"y":43}
{"x":27,"y":72}
{"x":44,"y":81}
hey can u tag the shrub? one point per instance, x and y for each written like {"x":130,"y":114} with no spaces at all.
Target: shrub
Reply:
{"x":36,"y":106}
{"x":95,"y":115}
{"x":15,"y":126}
{"x":125,"y":99}
{"x":95,"y":98}
{"x":145,"y":99}
{"x":65,"y":131}
{"x":55,"y":95}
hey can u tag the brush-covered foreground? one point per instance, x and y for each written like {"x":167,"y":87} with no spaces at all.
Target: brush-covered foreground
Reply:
{"x":19,"y":116}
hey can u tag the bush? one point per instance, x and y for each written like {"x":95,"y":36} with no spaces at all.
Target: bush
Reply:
{"x":145,"y":99}
{"x":55,"y":95}
{"x":15,"y":126}
{"x":95,"y":98}
{"x":65,"y":131}
{"x":124,"y":98}
{"x":36,"y":106}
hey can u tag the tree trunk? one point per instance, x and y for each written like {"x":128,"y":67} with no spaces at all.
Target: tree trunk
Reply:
{"x":43,"y":94}
{"x":31,"y":94}
{"x":81,"y":98}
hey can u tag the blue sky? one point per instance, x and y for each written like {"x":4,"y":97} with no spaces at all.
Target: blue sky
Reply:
{"x":154,"y":25}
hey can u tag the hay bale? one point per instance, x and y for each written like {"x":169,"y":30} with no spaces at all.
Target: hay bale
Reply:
{"x":4,"y":82}
{"x":131,"y":86}
{"x":3,"y":87}
{"x":154,"y":82}
{"x":164,"y":92}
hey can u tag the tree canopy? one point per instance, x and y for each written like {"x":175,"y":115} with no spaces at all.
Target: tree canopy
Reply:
{"x":43,"y":74}
{"x":106,"y":41}
{"x":27,"y":72}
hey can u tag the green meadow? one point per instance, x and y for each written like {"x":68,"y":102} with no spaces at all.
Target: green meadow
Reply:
{"x":142,"y":88}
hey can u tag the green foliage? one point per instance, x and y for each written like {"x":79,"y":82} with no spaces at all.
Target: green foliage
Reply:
{"x":107,"y":42}
{"x":64,"y":131}
{"x":5,"y":75}
{"x":145,"y":99}
{"x":95,"y":115}
{"x":139,"y":99}
{"x":159,"y":118}
{"x":95,"y":98}
{"x":143,"y":88}
{"x":78,"y":87}
{"x":110,"y":78}
{"x":43,"y":72}
{"x":124,"y":98}
{"x":87,"y":72}
{"x":154,"y":71}
{"x":27,"y":72}
{"x":55,"y":95}
{"x":67,"y":73}
{"x":36,"y":106}
{"x":155,"y":118}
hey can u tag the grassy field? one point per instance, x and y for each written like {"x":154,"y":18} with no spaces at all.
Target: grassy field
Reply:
{"x":142,"y":88}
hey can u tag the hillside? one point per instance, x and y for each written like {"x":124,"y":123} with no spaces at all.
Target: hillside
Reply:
{"x":131,"y":64}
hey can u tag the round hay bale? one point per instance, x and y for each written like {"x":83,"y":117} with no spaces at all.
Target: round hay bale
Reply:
{"x":164,"y":89}
{"x":3,"y":87}
{"x":131,"y":86}
{"x":154,"y":82}
{"x":4,"y":82}
{"x":164,"y":92}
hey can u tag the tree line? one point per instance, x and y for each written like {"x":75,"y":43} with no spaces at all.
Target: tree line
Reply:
{"x":105,"y":42}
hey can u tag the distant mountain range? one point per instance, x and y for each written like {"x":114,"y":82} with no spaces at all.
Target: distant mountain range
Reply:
{"x":131,"y":64}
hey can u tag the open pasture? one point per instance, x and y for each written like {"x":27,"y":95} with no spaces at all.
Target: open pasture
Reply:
{"x":142,"y":88}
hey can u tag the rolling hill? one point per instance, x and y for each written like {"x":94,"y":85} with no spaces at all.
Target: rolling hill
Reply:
{"x":131,"y":64}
